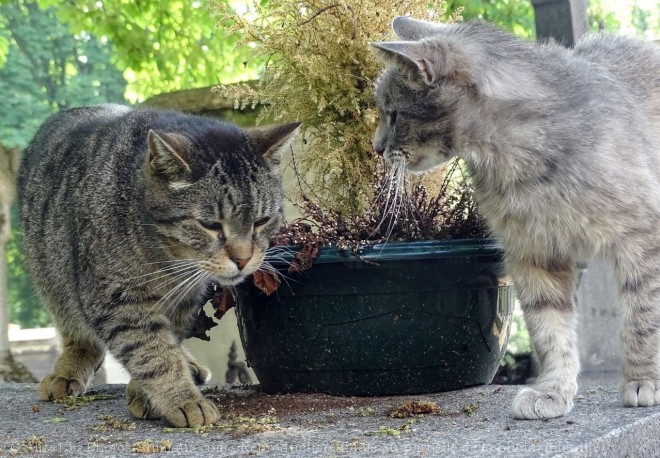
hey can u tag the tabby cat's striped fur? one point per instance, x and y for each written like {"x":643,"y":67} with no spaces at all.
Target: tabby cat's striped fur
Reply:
{"x":127,"y":215}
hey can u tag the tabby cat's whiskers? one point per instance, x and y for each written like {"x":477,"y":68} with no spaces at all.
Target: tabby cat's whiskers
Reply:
{"x":165,"y":300}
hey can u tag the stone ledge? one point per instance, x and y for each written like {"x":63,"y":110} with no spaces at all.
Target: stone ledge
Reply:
{"x":322,"y":426}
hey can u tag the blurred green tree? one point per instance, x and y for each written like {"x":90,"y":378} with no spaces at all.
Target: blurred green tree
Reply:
{"x":163,"y":45}
{"x":45,"y":68}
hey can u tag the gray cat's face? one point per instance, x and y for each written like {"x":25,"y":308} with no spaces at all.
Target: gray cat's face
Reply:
{"x":216,"y":201}
{"x":415,"y":121}
{"x":428,"y":82}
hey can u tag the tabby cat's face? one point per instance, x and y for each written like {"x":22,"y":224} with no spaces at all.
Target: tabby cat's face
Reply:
{"x":217,"y":202}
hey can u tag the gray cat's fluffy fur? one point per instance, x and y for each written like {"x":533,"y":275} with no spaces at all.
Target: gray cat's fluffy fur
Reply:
{"x":127,"y":215}
{"x":564,"y":149}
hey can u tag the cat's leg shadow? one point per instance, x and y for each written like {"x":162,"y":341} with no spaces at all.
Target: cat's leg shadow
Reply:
{"x":81,"y":358}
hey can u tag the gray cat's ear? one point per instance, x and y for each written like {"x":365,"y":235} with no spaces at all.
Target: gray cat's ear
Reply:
{"x":411,"y":29}
{"x":168,"y":153}
{"x":271,"y":141}
{"x":428,"y":60}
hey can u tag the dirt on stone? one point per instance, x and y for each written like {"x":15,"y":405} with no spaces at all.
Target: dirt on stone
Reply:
{"x":249,"y":402}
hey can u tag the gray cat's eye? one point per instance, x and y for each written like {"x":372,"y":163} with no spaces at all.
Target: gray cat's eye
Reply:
{"x":393,"y":116}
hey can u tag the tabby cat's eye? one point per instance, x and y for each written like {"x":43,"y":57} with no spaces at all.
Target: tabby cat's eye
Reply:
{"x":211,"y":226}
{"x":262,"y":221}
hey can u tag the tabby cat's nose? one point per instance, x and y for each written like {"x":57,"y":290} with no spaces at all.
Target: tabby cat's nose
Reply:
{"x":240,"y":262}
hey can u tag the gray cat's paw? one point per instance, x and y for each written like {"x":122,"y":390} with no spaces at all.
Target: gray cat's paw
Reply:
{"x":56,"y":387}
{"x":190,"y":414}
{"x":200,"y":374}
{"x":641,"y":393}
{"x":138,"y":402}
{"x":532,"y":404}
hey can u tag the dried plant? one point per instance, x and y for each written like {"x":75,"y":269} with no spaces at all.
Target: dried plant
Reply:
{"x":397,"y":212}
{"x":319,"y":70}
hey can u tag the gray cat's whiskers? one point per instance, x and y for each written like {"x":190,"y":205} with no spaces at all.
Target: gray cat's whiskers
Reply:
{"x":390,"y":185}
{"x":400,"y":194}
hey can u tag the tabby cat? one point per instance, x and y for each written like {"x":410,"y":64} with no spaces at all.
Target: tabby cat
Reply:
{"x":564,"y":150}
{"x":127,"y":215}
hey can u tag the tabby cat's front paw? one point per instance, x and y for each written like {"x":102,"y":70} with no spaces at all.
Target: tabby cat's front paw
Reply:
{"x":641,"y":393}
{"x":532,"y":404}
{"x":56,"y":387}
{"x":190,"y":414}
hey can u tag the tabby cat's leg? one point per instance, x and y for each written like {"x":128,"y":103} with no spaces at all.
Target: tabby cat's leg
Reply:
{"x":200,"y":374}
{"x":75,"y":368}
{"x":640,"y":335}
{"x":138,"y":402}
{"x":546,"y":297}
{"x":145,"y":343}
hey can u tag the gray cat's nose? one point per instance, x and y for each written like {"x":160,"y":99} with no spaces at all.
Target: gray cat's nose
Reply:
{"x":380,"y":150}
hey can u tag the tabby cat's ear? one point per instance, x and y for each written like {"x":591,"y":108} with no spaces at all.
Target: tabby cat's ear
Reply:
{"x":271,"y":141}
{"x":427,"y":60}
{"x":411,"y":29}
{"x":168,"y":154}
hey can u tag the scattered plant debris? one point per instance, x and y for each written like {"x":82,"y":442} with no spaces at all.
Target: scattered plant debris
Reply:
{"x":237,"y":426}
{"x":385,"y":431}
{"x":57,"y":420}
{"x":36,"y":408}
{"x":112,"y":423}
{"x":413,"y":408}
{"x":75,"y":402}
{"x":96,"y":440}
{"x":30,"y":446}
{"x":365,"y":412}
{"x":470,"y":409}
{"x":147,"y":446}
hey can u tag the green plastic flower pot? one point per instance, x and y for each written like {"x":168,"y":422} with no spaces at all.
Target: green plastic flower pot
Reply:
{"x":418,"y":317}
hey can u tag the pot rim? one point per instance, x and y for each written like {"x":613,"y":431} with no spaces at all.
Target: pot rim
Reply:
{"x":405,"y":250}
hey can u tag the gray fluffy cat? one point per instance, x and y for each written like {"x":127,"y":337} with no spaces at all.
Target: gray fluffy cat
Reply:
{"x":564,"y":149}
{"x":127,"y":215}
